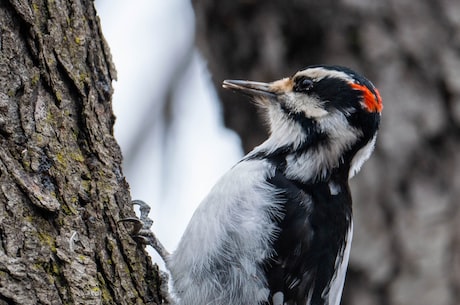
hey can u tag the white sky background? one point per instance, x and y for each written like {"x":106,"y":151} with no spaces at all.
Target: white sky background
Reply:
{"x":147,"y":39}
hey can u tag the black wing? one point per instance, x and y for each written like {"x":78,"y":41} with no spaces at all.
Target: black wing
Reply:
{"x":311,"y":236}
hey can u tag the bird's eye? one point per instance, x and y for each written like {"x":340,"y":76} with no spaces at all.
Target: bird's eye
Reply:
{"x":303,"y":84}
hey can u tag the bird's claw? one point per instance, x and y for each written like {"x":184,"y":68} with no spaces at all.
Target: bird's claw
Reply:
{"x":137,"y":232}
{"x":137,"y":225}
{"x":141,"y":229}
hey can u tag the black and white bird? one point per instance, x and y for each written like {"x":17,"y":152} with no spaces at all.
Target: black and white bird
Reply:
{"x":277,"y":227}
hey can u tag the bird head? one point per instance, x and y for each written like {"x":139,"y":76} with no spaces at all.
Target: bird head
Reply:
{"x":328,"y":108}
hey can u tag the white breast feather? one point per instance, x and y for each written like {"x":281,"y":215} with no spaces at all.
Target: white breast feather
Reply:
{"x":236,"y":237}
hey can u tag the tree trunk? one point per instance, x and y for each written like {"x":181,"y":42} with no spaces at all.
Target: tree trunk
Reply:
{"x":406,"y":247}
{"x":62,"y":187}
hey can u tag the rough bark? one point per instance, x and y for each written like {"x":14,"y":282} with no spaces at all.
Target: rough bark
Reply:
{"x":62,"y":187}
{"x":407,"y":221}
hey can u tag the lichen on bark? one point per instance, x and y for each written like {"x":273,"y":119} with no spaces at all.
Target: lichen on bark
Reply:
{"x":62,"y":189}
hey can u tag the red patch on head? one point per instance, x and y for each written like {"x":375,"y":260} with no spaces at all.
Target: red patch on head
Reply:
{"x":372,"y":102}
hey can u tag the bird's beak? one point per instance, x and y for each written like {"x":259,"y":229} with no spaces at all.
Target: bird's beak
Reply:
{"x":250,"y":87}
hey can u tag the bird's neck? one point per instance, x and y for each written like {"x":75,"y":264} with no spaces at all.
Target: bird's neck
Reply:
{"x":315,"y":157}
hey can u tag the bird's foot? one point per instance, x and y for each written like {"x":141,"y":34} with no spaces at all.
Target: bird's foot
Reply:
{"x":141,"y":232}
{"x":141,"y":229}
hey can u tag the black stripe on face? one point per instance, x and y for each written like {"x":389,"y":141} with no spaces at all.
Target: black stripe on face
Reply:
{"x":308,"y":124}
{"x":313,"y":135}
{"x":336,"y":94}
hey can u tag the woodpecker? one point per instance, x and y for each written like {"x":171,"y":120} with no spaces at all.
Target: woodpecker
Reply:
{"x":277,"y":227}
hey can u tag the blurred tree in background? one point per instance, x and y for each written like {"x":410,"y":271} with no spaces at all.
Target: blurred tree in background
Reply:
{"x":406,"y":247}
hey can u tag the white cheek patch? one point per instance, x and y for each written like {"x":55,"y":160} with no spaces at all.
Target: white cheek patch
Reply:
{"x":315,"y":112}
{"x":341,"y":264}
{"x":302,"y":103}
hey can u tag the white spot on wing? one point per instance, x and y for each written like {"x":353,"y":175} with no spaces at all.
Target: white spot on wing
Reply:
{"x":278,"y":298}
{"x":335,"y":292}
{"x":334,"y":188}
{"x":294,"y":283}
